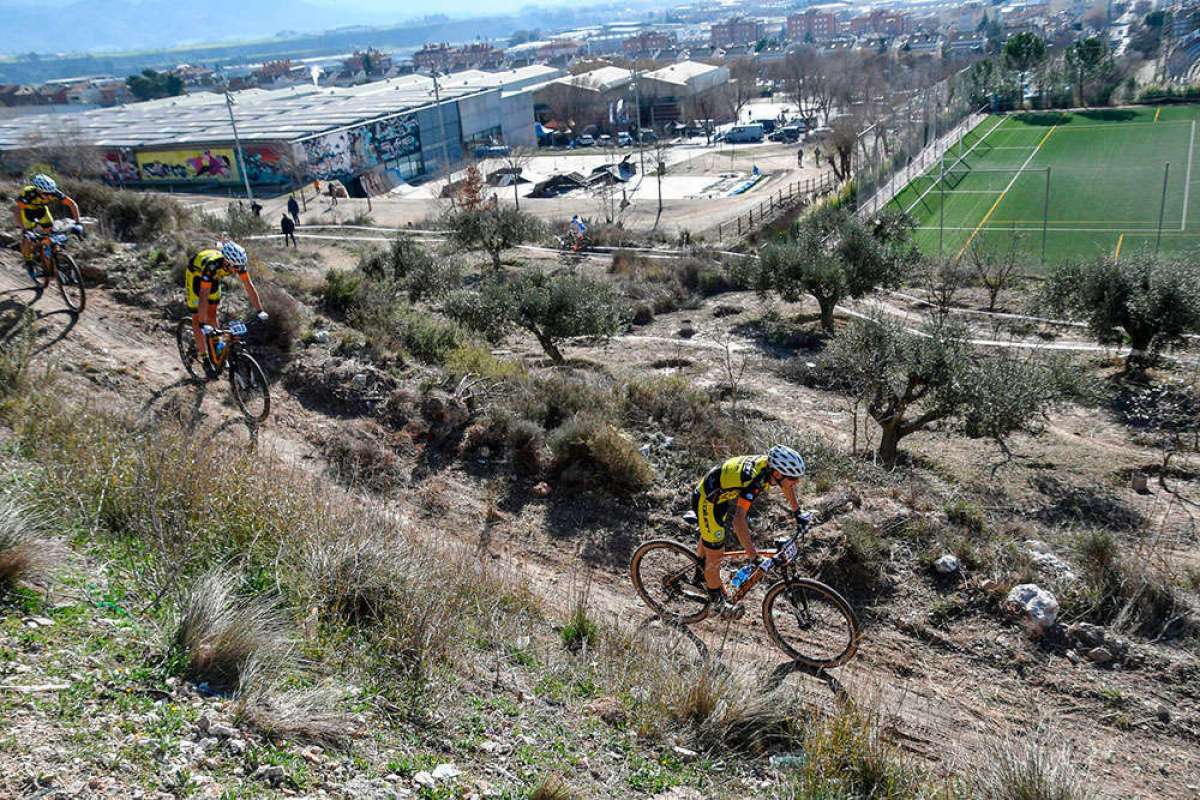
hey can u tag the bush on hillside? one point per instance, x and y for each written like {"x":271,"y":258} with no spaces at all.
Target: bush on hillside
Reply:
{"x":597,"y":448}
{"x":410,"y":266}
{"x":127,"y":216}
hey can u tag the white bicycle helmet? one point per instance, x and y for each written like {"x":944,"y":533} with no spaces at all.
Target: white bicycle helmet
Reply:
{"x":45,"y":184}
{"x":785,"y":461}
{"x":235,"y":254}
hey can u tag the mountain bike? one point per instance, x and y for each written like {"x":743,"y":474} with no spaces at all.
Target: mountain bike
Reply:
{"x":806,"y":619}
{"x":56,"y":262}
{"x":247,"y":381}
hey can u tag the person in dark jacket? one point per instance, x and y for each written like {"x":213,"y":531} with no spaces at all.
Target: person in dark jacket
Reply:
{"x":294,"y":209}
{"x":289,"y":230}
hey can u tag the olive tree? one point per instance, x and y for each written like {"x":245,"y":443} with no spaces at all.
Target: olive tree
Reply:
{"x":833,"y":255}
{"x":1144,"y":300}
{"x":551,"y":307}
{"x":908,"y":381}
{"x":493,"y":229}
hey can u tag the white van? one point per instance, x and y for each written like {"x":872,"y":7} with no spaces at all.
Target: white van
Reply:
{"x":740,"y":134}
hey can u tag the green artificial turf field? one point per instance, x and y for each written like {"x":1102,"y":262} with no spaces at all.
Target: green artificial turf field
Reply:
{"x":1106,"y":171}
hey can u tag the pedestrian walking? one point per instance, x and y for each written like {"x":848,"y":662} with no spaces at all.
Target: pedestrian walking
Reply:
{"x":800,"y":157}
{"x":294,"y":209}
{"x":332,"y":196}
{"x":289,"y":231}
{"x":817,"y":156}
{"x":256,"y":208}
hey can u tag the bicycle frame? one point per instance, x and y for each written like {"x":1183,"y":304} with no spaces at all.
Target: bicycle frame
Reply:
{"x":785,"y":556}
{"x":233,"y":345}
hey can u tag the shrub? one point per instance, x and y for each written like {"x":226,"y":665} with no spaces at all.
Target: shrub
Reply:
{"x":219,"y":636}
{"x":236,"y":222}
{"x":308,"y":714}
{"x":341,"y":291}
{"x":27,"y":554}
{"x":526,"y":440}
{"x":553,"y":788}
{"x":361,"y":460}
{"x":724,"y":710}
{"x":552,"y":399}
{"x":419,"y":274}
{"x":966,"y":513}
{"x":127,"y":216}
{"x":593,"y":444}
{"x":282,"y":328}
{"x":860,"y":563}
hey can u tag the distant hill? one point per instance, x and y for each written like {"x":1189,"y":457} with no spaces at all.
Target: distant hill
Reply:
{"x":99,"y":25}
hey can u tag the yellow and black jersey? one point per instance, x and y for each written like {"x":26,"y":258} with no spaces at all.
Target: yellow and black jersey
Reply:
{"x":34,"y":206}
{"x":207,"y":267}
{"x":728,"y":486}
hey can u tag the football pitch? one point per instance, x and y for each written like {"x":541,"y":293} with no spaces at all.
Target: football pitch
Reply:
{"x":1064,"y":185}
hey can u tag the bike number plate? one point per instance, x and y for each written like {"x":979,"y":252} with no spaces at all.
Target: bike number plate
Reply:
{"x":237,"y":328}
{"x":787,"y":553}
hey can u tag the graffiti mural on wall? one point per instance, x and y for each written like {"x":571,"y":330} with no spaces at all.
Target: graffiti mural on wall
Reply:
{"x":347,"y":153}
{"x":120,"y":166}
{"x":217,"y":163}
{"x":267,"y":164}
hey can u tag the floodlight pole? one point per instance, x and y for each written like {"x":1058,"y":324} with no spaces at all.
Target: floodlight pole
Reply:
{"x":1162,"y":207}
{"x":437,"y":100}
{"x":237,"y":142}
{"x":941,"y":206}
{"x":1045,"y":216}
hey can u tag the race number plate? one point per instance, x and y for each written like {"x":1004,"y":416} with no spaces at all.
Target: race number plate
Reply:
{"x":787,"y":553}
{"x":237,"y":328}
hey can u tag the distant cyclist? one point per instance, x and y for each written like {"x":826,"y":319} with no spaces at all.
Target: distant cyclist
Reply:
{"x":202,"y":280}
{"x":576,"y":230}
{"x":724,"y":497}
{"x":33,"y":212}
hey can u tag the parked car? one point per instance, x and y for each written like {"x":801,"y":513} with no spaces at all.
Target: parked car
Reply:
{"x":789,"y":134}
{"x":768,"y":125}
{"x":647,"y":136}
{"x":492,"y":151}
{"x":604,"y":141}
{"x":587,"y":140}
{"x":624,"y":139}
{"x":740,"y":134}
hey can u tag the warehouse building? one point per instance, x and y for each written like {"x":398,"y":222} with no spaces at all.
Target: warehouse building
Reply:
{"x":371,"y":137}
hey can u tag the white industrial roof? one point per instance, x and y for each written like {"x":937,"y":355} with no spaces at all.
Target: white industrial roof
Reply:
{"x":685,"y":72}
{"x":262,"y":115}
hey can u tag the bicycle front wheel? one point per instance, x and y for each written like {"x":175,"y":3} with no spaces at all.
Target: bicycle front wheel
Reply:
{"x":185,"y":340}
{"x":250,"y":388}
{"x":70,"y":282}
{"x":670,"y":580}
{"x":811,"y":623}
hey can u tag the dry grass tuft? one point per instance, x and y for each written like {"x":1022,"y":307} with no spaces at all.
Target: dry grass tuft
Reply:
{"x":27,"y":555}
{"x":553,"y":788}
{"x":309,"y":714}
{"x":1031,"y":767}
{"x":219,"y":636}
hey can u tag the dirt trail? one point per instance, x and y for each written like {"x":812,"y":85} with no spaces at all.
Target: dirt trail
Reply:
{"x":945,"y":696}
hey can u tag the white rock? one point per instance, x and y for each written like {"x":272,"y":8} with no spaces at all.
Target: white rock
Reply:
{"x":947,"y":564}
{"x":1053,"y":565}
{"x":684,"y":753}
{"x":321,"y":337}
{"x":423,"y":778}
{"x":446,"y":772}
{"x":222,"y":731}
{"x":359,"y":380}
{"x":1038,"y":604}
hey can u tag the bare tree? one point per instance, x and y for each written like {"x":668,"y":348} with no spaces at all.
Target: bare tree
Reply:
{"x":515,"y":162}
{"x":742,"y":87}
{"x":996,"y":272}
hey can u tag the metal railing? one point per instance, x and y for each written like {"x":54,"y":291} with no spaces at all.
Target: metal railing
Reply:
{"x":796,"y":193}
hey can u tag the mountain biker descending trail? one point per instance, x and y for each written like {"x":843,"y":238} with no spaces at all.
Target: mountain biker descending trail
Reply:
{"x":725,"y":496}
{"x":33,"y":211}
{"x":202,"y":281}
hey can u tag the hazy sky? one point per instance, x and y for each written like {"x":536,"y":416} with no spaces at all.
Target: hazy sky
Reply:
{"x":392,"y":8}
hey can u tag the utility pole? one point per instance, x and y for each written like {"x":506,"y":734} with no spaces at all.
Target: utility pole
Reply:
{"x":237,"y":142}
{"x":637,"y":99}
{"x":437,"y":99}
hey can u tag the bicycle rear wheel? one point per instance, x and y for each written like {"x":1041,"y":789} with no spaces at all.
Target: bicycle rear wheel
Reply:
{"x":250,"y":389}
{"x":70,"y":282}
{"x":670,"y":580}
{"x":811,"y":623}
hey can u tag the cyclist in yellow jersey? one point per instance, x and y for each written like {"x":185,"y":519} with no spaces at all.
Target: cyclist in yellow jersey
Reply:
{"x":724,"y":497}
{"x":202,"y":280}
{"x":33,"y":212}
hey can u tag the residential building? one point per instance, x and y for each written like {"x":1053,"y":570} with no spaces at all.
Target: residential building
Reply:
{"x":648,"y":41}
{"x":737,"y":30}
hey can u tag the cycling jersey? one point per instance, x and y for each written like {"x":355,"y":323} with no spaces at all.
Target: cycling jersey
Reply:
{"x":34,"y":206}
{"x":208,"y":267}
{"x":728,"y":486}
